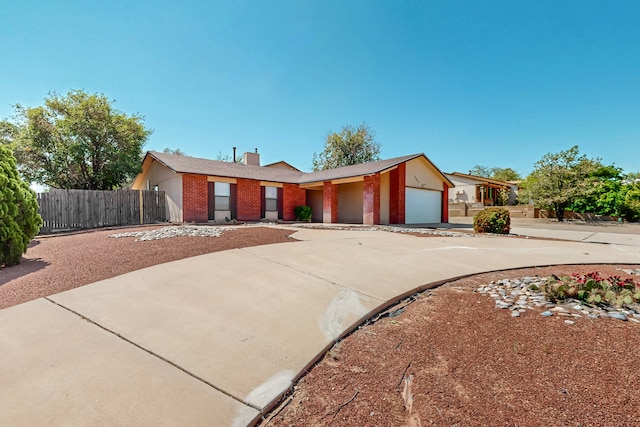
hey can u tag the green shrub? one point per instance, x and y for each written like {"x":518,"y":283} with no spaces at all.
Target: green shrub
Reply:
{"x":303,"y":213}
{"x":492,"y":220}
{"x":19,"y":218}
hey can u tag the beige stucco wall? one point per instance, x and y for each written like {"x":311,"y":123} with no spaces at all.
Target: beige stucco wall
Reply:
{"x":169,"y":182}
{"x":420,"y":174}
{"x":315,"y":201}
{"x":350,"y":202}
{"x":464,"y":190}
{"x":384,"y":198}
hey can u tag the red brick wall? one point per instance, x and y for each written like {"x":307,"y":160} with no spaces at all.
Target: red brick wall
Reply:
{"x":445,"y":202}
{"x":371,"y":200}
{"x":248,"y":200}
{"x":292,"y":196}
{"x":330,"y":203}
{"x":397,"y":188}
{"x":195,"y":198}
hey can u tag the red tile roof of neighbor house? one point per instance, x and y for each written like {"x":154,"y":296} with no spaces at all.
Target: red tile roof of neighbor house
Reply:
{"x":194,"y":165}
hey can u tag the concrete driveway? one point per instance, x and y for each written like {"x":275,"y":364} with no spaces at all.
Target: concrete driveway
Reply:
{"x":217,"y":339}
{"x":580,"y":231}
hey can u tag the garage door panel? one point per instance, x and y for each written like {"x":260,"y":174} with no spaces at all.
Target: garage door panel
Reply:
{"x":422,"y":206}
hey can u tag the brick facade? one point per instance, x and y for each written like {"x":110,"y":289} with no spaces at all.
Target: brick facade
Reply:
{"x":292,"y":196}
{"x":397,"y":188}
{"x":330,"y":203}
{"x":248,"y":200}
{"x":371,"y":200}
{"x":195,"y":198}
{"x":445,"y":202}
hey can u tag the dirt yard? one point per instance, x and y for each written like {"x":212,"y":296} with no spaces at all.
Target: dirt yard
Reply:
{"x":59,"y":263}
{"x":449,"y":359}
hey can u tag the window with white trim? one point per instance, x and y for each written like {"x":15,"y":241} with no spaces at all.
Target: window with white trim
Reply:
{"x":222,"y":191}
{"x":271,"y":199}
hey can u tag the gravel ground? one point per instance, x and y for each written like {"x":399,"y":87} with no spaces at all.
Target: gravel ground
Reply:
{"x":59,"y":263}
{"x":449,"y":358}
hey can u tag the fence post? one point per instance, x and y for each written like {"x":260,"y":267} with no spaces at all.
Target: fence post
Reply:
{"x":141,"y":207}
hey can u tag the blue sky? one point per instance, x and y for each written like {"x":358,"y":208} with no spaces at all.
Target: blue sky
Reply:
{"x":494,"y":82}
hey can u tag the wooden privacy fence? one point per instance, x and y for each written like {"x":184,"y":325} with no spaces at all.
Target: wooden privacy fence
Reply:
{"x":64,"y":210}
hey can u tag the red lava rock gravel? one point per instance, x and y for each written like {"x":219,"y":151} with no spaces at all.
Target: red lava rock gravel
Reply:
{"x":59,"y":263}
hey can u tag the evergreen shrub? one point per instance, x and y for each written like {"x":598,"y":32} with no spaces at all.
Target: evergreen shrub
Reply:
{"x":19,"y":218}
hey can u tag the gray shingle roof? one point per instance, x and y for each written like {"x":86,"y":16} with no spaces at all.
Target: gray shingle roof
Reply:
{"x":355,"y":170}
{"x":194,"y":165}
{"x":186,"y":164}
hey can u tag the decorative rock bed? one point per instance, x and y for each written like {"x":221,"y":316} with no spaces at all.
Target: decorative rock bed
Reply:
{"x":426,"y":231}
{"x":173,"y":231}
{"x":635,"y":272}
{"x":524,"y":295}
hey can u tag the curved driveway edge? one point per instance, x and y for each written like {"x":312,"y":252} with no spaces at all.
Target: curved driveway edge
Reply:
{"x":217,"y":339}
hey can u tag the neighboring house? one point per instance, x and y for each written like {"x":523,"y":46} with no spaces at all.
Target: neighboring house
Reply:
{"x":403,"y":190}
{"x":282,"y":165}
{"x":476,"y":189}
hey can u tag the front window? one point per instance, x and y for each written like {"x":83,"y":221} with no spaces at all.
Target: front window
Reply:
{"x":271,"y":198}
{"x":222,"y":191}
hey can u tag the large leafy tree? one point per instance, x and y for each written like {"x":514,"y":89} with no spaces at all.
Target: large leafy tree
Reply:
{"x":19,"y":218}
{"x":350,"y":146}
{"x":613,"y":193}
{"x":501,"y":174}
{"x":8,"y":132}
{"x":632,"y":177}
{"x":177,"y":151}
{"x":606,"y":192}
{"x":629,"y":202}
{"x":506,"y":174}
{"x":77,"y":141}
{"x":558,"y":179}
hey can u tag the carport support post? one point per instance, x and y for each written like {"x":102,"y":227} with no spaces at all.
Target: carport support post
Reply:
{"x":330,"y":203}
{"x":445,"y":202}
{"x":397,"y":190}
{"x":371,"y":200}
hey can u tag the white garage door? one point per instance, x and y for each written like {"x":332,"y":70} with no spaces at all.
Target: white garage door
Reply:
{"x":422,"y":206}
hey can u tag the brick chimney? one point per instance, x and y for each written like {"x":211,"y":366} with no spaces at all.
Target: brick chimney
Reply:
{"x":251,"y":159}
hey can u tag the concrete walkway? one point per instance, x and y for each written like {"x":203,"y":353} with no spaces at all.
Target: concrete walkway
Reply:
{"x":217,"y":339}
